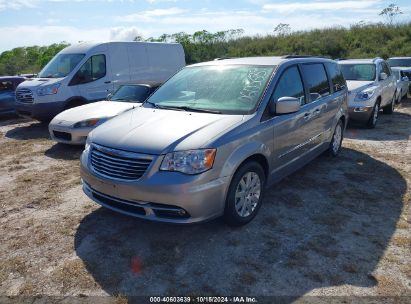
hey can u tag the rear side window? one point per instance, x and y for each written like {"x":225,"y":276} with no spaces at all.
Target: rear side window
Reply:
{"x":316,"y":80}
{"x":337,"y":78}
{"x":290,"y":85}
{"x":94,"y":68}
{"x":6,"y":86}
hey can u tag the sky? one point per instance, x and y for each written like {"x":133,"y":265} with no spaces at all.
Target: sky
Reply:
{"x":42,"y":22}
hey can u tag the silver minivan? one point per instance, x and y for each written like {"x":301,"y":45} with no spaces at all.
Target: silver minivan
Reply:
{"x":211,"y":139}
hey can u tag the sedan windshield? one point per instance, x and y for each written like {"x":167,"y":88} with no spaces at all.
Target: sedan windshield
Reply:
{"x":131,"y":93}
{"x":234,"y":89}
{"x":61,"y":65}
{"x":399,"y":62}
{"x":360,"y":72}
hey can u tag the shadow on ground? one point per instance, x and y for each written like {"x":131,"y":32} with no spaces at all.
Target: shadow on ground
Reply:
{"x":66,"y":152}
{"x":394,"y":126}
{"x":11,"y":119}
{"x":35,"y":130}
{"x":326,"y":225}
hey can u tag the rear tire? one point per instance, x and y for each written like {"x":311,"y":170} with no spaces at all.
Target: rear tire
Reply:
{"x":245,"y":194}
{"x":389,"y":109}
{"x":336,"y":141}
{"x":73,"y":104}
{"x":372,"y":122}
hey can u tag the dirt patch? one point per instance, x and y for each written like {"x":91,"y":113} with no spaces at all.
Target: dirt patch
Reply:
{"x":337,"y":227}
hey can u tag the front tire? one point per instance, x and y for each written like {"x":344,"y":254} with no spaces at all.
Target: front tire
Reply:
{"x":372,"y":122}
{"x":245,"y":194}
{"x":336,"y":141}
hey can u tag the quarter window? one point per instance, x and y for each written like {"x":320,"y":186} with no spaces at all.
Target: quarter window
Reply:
{"x":386,"y":69}
{"x":337,"y":78}
{"x":94,"y":68}
{"x":317,"y":80}
{"x":290,"y":85}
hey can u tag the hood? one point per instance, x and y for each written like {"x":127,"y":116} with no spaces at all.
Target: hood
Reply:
{"x":158,"y":131}
{"x":354,"y":85}
{"x":99,"y":109}
{"x":37,"y":82}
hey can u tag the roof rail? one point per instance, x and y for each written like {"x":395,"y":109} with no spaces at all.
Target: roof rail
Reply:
{"x":302,"y":56}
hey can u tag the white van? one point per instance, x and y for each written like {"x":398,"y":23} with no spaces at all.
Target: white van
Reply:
{"x":88,"y":72}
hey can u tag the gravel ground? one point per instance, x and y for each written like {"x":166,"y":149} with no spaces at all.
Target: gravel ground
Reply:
{"x":338,"y":227}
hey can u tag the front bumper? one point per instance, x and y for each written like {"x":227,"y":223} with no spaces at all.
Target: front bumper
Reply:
{"x":40,"y":111}
{"x":159,"y":196}
{"x":361,"y":113}
{"x":68,"y":135}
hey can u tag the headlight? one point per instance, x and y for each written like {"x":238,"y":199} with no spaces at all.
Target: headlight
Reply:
{"x":48,"y":90}
{"x":365,"y":94}
{"x":94,"y":122}
{"x":189,"y":162}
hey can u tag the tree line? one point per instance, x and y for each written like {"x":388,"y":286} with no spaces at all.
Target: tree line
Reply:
{"x":358,"y":41}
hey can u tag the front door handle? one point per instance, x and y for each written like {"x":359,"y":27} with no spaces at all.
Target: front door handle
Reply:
{"x":107,"y":81}
{"x":307,"y":115}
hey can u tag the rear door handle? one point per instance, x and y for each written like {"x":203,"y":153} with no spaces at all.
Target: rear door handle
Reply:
{"x":107,"y":81}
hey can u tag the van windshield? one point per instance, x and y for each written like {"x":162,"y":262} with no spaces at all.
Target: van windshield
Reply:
{"x":360,"y":72}
{"x":61,"y":65}
{"x":226,"y":89}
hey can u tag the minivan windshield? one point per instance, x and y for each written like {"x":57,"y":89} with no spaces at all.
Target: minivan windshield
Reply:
{"x":360,"y":72}
{"x":399,"y":62}
{"x":131,"y":93}
{"x":61,"y":65}
{"x":226,"y":89}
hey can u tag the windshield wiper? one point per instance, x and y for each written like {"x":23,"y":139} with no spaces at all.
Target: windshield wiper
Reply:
{"x":183,"y":108}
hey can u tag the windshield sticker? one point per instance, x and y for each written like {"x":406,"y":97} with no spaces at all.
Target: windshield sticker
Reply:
{"x":255,"y":80}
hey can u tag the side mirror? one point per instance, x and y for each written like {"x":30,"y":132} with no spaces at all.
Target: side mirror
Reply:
{"x":383,"y":76}
{"x":285,"y":105}
{"x":405,"y":78}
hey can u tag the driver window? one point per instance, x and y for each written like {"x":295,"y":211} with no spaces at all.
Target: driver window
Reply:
{"x":290,"y":85}
{"x":93,"y":69}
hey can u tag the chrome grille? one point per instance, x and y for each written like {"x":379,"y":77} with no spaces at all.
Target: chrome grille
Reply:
{"x":118,"y":164}
{"x":24,"y":96}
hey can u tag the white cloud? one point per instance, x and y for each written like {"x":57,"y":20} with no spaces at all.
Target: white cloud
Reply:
{"x":150,"y":15}
{"x":16,"y":4}
{"x":320,"y":5}
{"x":125,"y":33}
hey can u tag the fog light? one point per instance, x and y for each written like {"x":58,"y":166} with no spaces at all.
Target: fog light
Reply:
{"x":360,"y":109}
{"x":181,"y":212}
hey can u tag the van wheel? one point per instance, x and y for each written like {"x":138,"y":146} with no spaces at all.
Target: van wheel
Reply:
{"x":335,"y":144}
{"x":389,"y":108}
{"x":372,"y":122}
{"x":245,"y":194}
{"x":73,"y":104}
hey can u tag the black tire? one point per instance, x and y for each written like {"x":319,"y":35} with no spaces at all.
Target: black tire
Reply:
{"x":231,"y":215}
{"x":389,"y":109}
{"x":73,"y":104}
{"x":372,"y":121}
{"x":336,"y":141}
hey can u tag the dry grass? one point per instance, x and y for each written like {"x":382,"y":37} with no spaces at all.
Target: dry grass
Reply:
{"x":71,"y":274}
{"x":14,"y":265}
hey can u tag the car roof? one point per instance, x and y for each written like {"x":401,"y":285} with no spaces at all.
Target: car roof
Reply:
{"x":263,"y":60}
{"x":399,"y":58}
{"x":351,"y":61}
